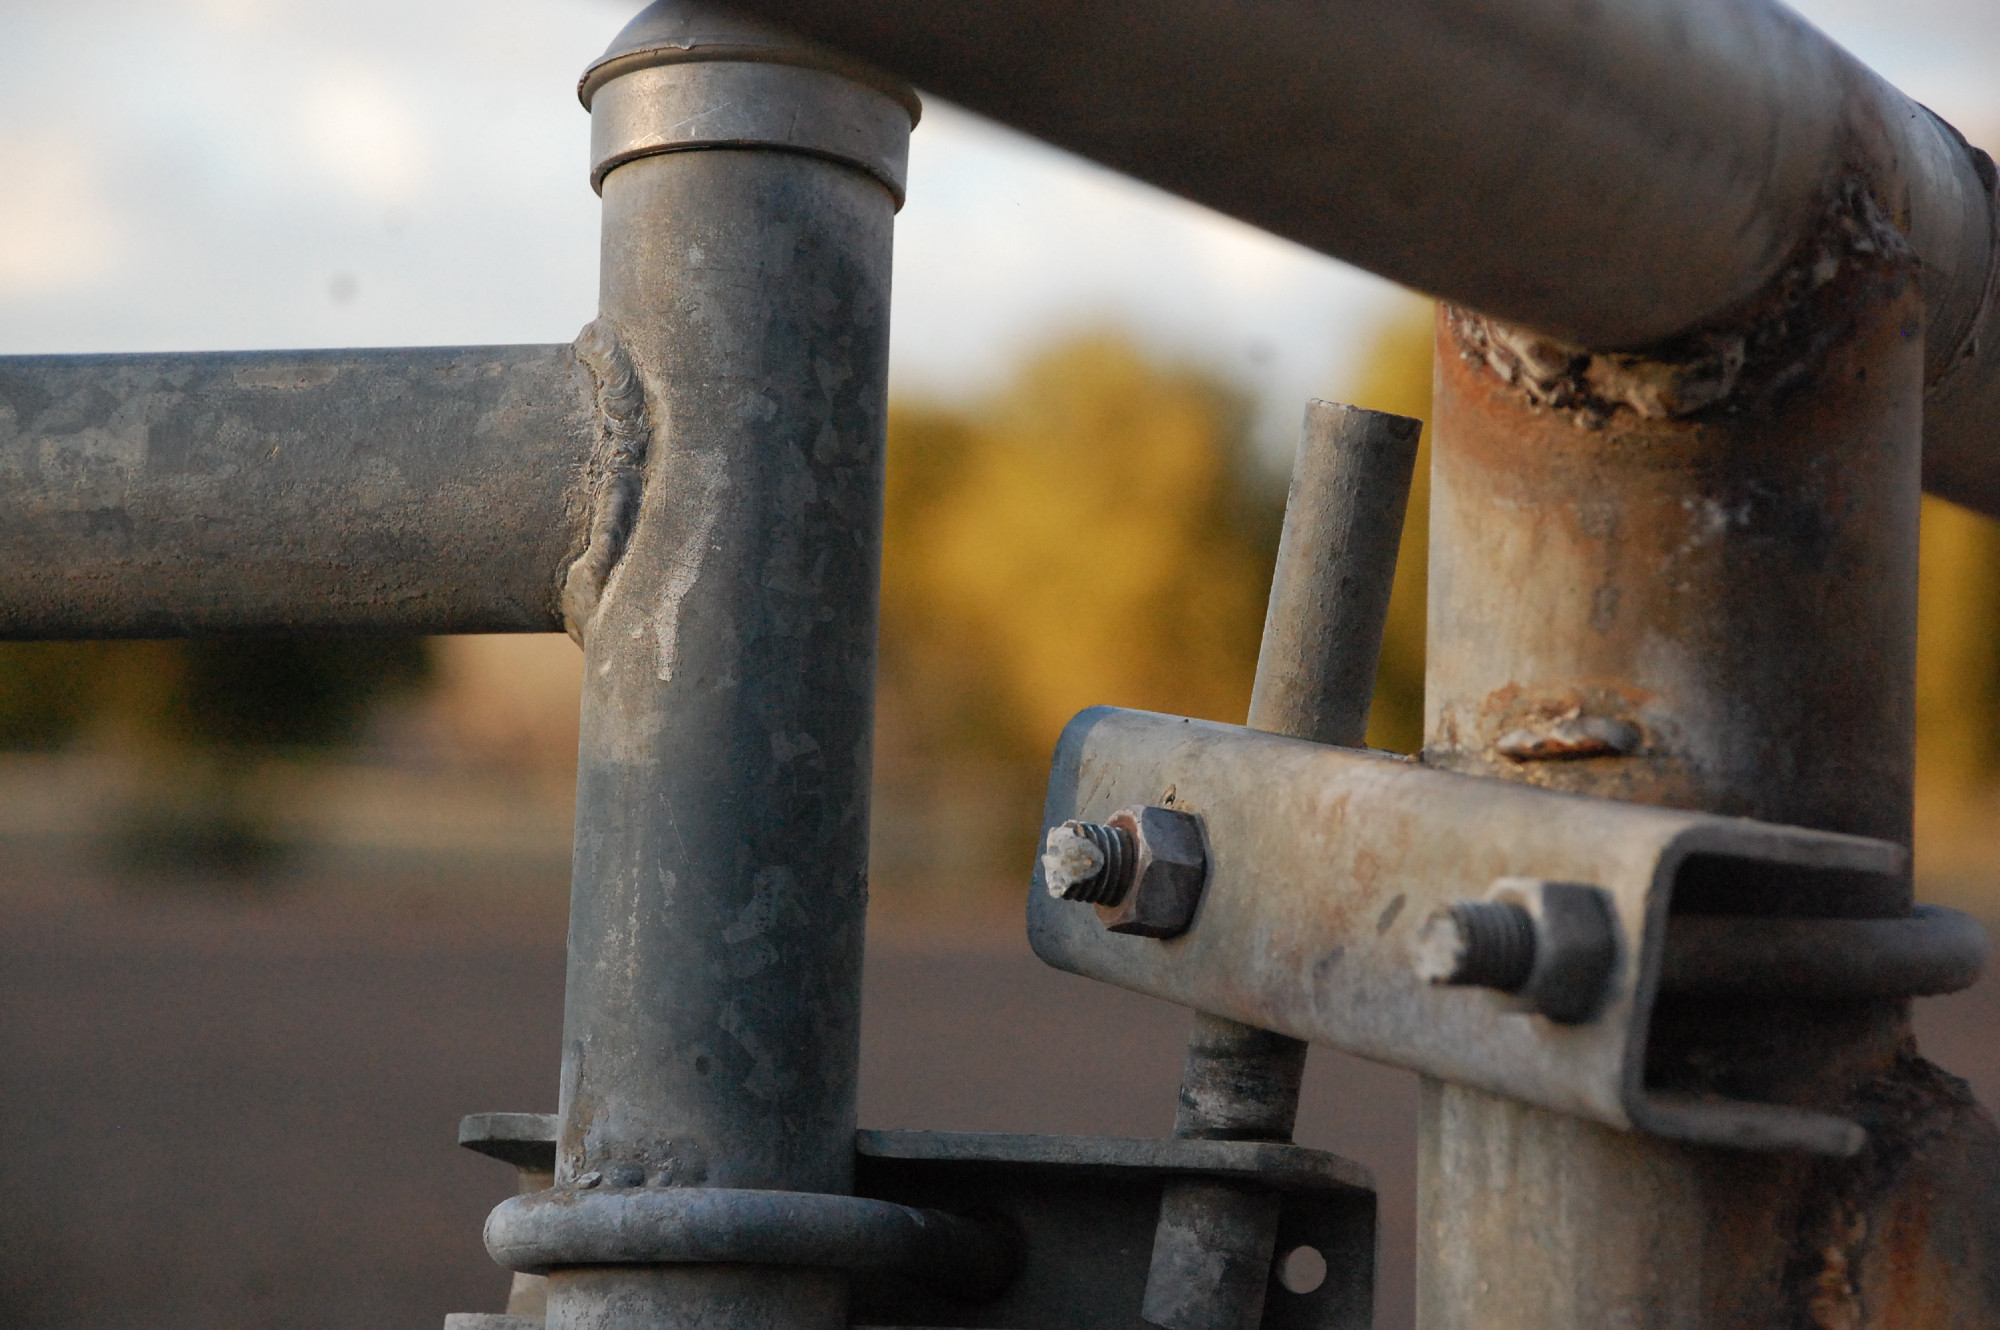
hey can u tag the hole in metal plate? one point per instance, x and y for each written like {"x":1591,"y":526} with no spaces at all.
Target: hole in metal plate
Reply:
{"x":1302,"y":1270}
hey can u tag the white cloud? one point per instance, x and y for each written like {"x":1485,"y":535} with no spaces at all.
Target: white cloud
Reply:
{"x":230,"y":13}
{"x":56,"y":230}
{"x":355,"y":128}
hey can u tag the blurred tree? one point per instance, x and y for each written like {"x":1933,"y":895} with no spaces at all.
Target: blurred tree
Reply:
{"x":1094,"y":534}
{"x":1958,"y":654}
{"x":47,"y":692}
{"x":202,"y":720}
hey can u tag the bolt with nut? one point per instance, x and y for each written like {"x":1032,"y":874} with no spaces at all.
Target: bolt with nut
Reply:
{"x":1551,"y":947}
{"x":1143,"y":868}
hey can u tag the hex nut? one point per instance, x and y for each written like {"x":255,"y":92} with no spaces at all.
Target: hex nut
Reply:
{"x":1168,"y":876}
{"x":1576,"y":946}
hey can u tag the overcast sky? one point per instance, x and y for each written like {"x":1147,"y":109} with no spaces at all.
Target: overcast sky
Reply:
{"x":187,"y":174}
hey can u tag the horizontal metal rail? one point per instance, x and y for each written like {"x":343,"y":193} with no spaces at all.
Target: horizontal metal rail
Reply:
{"x":426,"y":490}
{"x":1611,"y":175}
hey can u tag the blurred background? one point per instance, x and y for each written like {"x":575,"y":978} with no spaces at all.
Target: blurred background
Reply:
{"x":273,"y":914}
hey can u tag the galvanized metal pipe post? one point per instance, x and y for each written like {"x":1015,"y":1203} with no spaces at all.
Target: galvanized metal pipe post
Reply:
{"x":1689,"y":579}
{"x":1315,"y":678}
{"x":728,"y":612}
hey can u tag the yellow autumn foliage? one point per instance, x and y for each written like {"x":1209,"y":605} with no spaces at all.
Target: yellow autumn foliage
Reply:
{"x":1091,"y":535}
{"x":1396,"y":376}
{"x":1958,"y":653}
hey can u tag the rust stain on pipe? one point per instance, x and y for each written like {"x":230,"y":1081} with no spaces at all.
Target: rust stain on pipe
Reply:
{"x":1691,"y":578}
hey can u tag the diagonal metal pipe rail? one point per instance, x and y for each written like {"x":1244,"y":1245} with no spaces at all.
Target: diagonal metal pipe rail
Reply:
{"x":1612,"y":176}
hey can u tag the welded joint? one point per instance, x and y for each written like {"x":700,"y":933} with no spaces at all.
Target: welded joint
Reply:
{"x":1967,"y":346}
{"x":1763,"y":350}
{"x":617,"y":470}
{"x":1569,"y":736}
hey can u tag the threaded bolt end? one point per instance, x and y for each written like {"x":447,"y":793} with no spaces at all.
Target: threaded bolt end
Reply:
{"x":1088,"y":861}
{"x":1488,"y":944}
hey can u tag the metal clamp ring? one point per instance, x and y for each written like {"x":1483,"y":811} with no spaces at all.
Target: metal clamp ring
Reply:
{"x":547,"y":1230}
{"x":732,"y":104}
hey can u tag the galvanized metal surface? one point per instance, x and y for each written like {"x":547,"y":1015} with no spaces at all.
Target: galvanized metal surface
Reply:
{"x":528,"y":1142}
{"x":639,"y":1225}
{"x":1682,"y":577}
{"x":429,"y":490}
{"x":1613,"y":176}
{"x":1072,"y":1213}
{"x":1215,"y":1244}
{"x":667,"y":33}
{"x":1336,"y":565}
{"x":1086,"y":1210}
{"x":705,"y":104}
{"x":525,"y":1140}
{"x":1315,"y":677}
{"x":711,"y":1017}
{"x":1720,"y":126}
{"x":1325,"y":863}
{"x":1240,"y":1083}
{"x":1732,"y":590}
{"x":1213,"y":1253}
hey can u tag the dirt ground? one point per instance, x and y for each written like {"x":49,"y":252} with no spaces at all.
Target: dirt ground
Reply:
{"x":236,"y":1107}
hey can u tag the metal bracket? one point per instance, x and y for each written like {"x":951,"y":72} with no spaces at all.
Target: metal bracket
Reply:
{"x":1080,"y":1212}
{"x":1325,"y":864}
{"x":1086,"y":1208}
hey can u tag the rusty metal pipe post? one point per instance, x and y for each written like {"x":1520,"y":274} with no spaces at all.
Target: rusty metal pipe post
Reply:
{"x":1651,"y":586}
{"x":727,"y":607}
{"x":1212,"y":1252}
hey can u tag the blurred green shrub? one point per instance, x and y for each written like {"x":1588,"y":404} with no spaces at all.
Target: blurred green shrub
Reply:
{"x":200,"y":721}
{"x":48,"y":691}
{"x":296,"y":695}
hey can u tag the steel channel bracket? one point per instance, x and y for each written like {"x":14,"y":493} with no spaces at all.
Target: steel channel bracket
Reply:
{"x":1324,"y":863}
{"x":1083,"y":1208}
